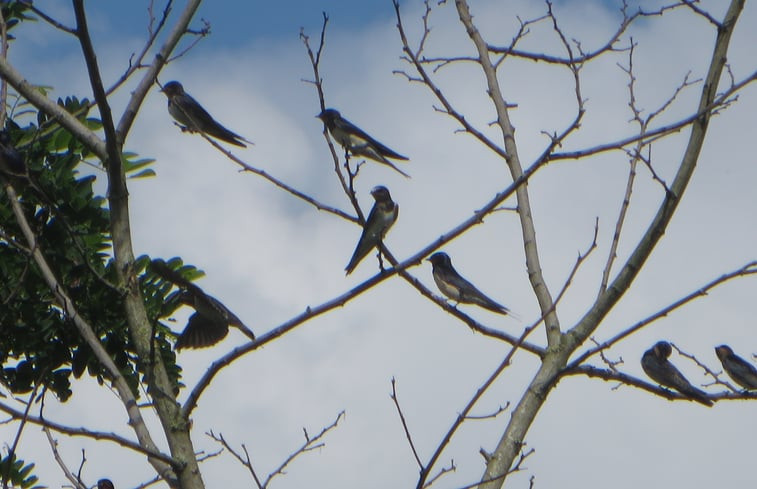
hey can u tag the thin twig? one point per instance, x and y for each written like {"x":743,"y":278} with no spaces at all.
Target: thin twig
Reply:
{"x":746,"y":270}
{"x":95,"y":435}
{"x":279,"y":183}
{"x":707,"y":370}
{"x":404,"y":424}
{"x":76,"y":481}
{"x":315,"y":63}
{"x":311,"y":443}
{"x":58,"y":25}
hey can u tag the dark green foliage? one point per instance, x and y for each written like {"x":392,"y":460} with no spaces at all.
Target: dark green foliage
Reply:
{"x":14,"y":12}
{"x":15,"y":474}
{"x":39,"y":343}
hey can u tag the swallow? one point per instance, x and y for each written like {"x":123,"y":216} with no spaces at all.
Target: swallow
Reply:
{"x":741,"y":371}
{"x":357,"y":141}
{"x":188,"y":112}
{"x":104,"y":484}
{"x":383,"y":214}
{"x":11,"y":161}
{"x":210,"y":322}
{"x":655,"y":364}
{"x":454,"y":286}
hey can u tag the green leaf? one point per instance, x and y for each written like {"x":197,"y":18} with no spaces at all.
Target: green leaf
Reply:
{"x":144,"y":174}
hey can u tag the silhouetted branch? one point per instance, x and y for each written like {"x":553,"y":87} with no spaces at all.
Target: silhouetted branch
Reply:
{"x":311,"y":443}
{"x":95,"y":435}
{"x":609,"y":375}
{"x":746,"y":270}
{"x":76,"y":481}
{"x":404,"y":424}
{"x":280,"y":183}
{"x":315,"y":63}
{"x":607,"y":46}
{"x":707,"y":371}
{"x":58,"y":25}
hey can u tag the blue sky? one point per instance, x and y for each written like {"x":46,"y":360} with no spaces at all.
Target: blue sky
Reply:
{"x":268,"y":256}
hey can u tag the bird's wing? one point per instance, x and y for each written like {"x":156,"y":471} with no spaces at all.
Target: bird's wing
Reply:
{"x":201,"y":332}
{"x":204,"y":122}
{"x":358,"y":137}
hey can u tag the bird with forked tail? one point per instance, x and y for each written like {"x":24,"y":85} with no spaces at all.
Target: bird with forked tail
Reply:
{"x":357,"y":141}
{"x":457,"y":288}
{"x":190,"y":114}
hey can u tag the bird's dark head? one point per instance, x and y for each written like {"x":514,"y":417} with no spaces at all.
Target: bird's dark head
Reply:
{"x":723,"y":351}
{"x":381,"y":194}
{"x":328,"y":115}
{"x":104,"y":484}
{"x":440,"y":258}
{"x":662,"y":349}
{"x":172,"y":88}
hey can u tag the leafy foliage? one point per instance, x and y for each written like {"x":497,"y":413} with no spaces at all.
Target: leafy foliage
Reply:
{"x":15,"y":473}
{"x":39,"y":344}
{"x":14,"y":12}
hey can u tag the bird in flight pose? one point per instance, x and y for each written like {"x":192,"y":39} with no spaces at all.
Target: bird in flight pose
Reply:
{"x":210,"y":322}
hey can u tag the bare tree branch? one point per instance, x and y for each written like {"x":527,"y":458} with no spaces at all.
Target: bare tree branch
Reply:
{"x":315,"y":63}
{"x":95,"y":435}
{"x":746,"y":270}
{"x":58,"y":25}
{"x":341,"y":300}
{"x":311,"y":443}
{"x":281,"y":184}
{"x":148,"y":79}
{"x":609,"y":375}
{"x":608,"y":45}
{"x":76,"y":481}
{"x":404,"y":424}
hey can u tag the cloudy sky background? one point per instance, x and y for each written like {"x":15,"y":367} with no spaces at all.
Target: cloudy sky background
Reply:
{"x":268,"y":256}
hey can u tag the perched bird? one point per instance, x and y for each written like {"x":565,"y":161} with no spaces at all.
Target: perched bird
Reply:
{"x":656,"y":365}
{"x":382,"y":216}
{"x":187,"y":111}
{"x":454,"y":286}
{"x":741,"y":371}
{"x":104,"y":484}
{"x":11,"y":161}
{"x":210,"y":322}
{"x":357,"y":141}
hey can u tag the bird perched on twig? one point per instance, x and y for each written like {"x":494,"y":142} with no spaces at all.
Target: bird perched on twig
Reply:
{"x":741,"y":371}
{"x":188,"y":112}
{"x":655,"y":364}
{"x":104,"y":484}
{"x":383,"y":214}
{"x":454,"y":286}
{"x":210,"y":322}
{"x":357,"y":141}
